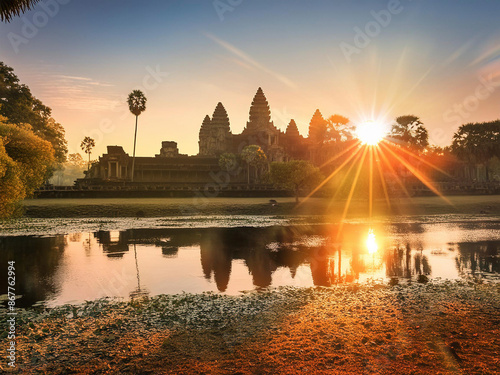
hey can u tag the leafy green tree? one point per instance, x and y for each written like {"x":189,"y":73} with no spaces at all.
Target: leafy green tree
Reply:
{"x":228,"y":162}
{"x":10,"y":181}
{"x":26,"y":162}
{"x":255,"y":157}
{"x":87,"y":145}
{"x":21,"y":107}
{"x":11,"y":8}
{"x":295,"y":175}
{"x":477,"y":143}
{"x":136,"y":104}
{"x":410,"y":132}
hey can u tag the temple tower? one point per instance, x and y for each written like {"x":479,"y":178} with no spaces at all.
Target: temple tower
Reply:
{"x":260,"y":114}
{"x":261,"y":131}
{"x":215,"y":133}
{"x":292,"y":131}
{"x":204,"y":136}
{"x":317,"y":128}
{"x":294,"y":142}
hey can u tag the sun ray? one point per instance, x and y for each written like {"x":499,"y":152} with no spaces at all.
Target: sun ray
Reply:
{"x":370,"y":186}
{"x":351,"y":193}
{"x":397,"y":77}
{"x":330,"y":176}
{"x":333,"y":158}
{"x":417,"y":174}
{"x":410,"y":91}
{"x":347,"y":85}
{"x":393,"y":172}
{"x":421,"y":159}
{"x":382,"y":179}
{"x":346,"y":178}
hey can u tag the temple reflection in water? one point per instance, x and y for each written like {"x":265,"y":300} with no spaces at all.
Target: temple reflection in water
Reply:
{"x":155,"y":261}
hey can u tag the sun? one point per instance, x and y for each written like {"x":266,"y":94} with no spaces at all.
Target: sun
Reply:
{"x":371,"y":132}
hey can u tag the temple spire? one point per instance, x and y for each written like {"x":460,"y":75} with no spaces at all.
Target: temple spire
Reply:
{"x":205,"y":125}
{"x":317,"y":127}
{"x":292,"y":130}
{"x":260,"y":114}
{"x":220,"y":118}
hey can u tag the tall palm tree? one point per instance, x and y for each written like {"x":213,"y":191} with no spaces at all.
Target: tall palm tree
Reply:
{"x":10,"y":8}
{"x":87,"y":145}
{"x":137,"y":105}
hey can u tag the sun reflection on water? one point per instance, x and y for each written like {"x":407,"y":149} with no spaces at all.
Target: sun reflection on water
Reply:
{"x":371,"y":243}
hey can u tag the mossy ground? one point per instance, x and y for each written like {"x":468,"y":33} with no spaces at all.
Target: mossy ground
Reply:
{"x":161,"y":207}
{"x":437,"y":328}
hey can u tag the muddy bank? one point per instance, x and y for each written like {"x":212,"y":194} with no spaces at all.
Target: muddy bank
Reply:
{"x":163,"y":207}
{"x":439,"y":328}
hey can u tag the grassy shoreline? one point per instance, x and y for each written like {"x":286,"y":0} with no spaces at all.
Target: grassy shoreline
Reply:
{"x":161,"y":207}
{"x":439,"y":328}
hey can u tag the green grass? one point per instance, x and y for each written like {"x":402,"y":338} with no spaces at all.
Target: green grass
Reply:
{"x":164,"y":207}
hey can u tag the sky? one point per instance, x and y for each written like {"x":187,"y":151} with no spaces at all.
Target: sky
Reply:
{"x":439,"y":60}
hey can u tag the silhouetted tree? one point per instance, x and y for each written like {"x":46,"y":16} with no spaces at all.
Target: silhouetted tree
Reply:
{"x":409,"y":131}
{"x":137,"y":104}
{"x":87,"y":145}
{"x":339,"y":129}
{"x":295,"y":175}
{"x":477,"y":143}
{"x":10,"y":8}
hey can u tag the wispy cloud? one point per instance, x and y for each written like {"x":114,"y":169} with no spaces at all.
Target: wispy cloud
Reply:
{"x":489,"y":55}
{"x":250,"y":61}
{"x":76,"y":93}
{"x":75,"y":78}
{"x":458,"y":53}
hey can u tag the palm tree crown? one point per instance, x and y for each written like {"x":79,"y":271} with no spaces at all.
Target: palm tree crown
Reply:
{"x":137,"y":102}
{"x":10,"y":8}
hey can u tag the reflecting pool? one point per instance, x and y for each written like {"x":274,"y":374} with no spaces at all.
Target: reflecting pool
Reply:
{"x":72,"y":268}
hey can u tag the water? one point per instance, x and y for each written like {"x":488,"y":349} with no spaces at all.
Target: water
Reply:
{"x":57,"y":269}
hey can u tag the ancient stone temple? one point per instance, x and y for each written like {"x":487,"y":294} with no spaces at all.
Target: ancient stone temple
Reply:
{"x":216,"y":137}
{"x":171,"y":168}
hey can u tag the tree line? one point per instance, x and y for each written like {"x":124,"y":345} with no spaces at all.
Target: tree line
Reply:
{"x":473,"y":144}
{"x":32,"y":143}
